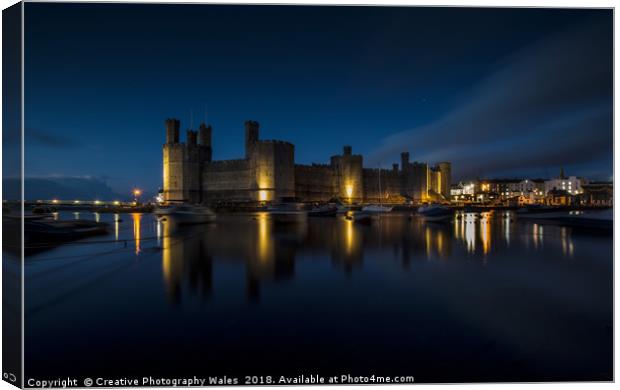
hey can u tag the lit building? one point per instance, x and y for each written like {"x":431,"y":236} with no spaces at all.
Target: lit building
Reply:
{"x":268,"y":173}
{"x":571,"y":184}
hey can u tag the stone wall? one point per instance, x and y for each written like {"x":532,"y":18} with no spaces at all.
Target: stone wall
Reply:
{"x":315,"y":183}
{"x":174,"y":155}
{"x":273,"y":163}
{"x":391,"y":187}
{"x":348,"y":175}
{"x":228,"y":180}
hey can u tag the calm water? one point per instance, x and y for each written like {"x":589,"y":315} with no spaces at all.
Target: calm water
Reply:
{"x":476,"y":299}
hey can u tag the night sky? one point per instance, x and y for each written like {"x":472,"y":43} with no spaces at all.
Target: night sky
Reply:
{"x":499,"y":92}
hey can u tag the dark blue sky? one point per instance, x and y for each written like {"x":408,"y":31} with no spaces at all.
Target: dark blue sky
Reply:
{"x":496,"y":91}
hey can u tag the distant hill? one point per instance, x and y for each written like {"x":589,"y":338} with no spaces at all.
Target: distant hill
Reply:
{"x":59,"y":188}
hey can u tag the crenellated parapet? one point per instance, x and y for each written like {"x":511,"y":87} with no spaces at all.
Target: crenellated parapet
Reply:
{"x":268,"y":173}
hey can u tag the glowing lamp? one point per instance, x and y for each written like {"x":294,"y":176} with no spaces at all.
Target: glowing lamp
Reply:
{"x":349,"y":190}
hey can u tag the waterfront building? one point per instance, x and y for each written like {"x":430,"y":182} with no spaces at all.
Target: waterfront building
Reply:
{"x":571,"y":184}
{"x":557,"y":197}
{"x":268,"y":173}
{"x":462,"y":192}
{"x":529,"y":191}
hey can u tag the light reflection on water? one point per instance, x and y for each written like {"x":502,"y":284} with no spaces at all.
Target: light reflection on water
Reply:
{"x":514,"y":287}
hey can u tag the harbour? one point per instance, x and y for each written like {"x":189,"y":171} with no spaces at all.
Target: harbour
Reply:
{"x":487,"y":283}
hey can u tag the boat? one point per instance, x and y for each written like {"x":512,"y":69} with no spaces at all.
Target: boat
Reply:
{"x":591,"y":219}
{"x":327,"y":210}
{"x":287,"y":213}
{"x":536,"y":209}
{"x":436,"y":212}
{"x":360,"y":216}
{"x":377,"y":208}
{"x":186,"y":214}
{"x":39,"y":232}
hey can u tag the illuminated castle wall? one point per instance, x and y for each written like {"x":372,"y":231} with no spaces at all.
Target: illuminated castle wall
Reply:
{"x":268,"y":173}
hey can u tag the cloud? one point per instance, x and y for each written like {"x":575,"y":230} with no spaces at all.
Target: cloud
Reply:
{"x":49,"y":139}
{"x":550,"y":104}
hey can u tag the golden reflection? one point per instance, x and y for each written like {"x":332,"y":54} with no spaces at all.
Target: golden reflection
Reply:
{"x":265,"y":247}
{"x":350,"y":238}
{"x":485,"y":235}
{"x":97,"y":217}
{"x":458,"y":226}
{"x":172,"y":263}
{"x":440,"y":243}
{"x":136,"y":230}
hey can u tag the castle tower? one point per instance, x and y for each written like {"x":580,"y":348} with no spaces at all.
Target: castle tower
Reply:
{"x":348,"y":171}
{"x":192,"y":169}
{"x":172,"y":131}
{"x":445,"y":174}
{"x":251,"y":137}
{"x":174,"y":155}
{"x":404,"y":161}
{"x":204,"y":140}
{"x":192,"y":138}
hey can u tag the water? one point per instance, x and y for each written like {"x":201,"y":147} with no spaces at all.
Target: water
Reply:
{"x":477,"y":299}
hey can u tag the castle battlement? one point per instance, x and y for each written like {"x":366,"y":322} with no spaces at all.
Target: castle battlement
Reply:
{"x":268,"y":173}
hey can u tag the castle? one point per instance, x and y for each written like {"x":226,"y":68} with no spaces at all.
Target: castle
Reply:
{"x":268,"y":173}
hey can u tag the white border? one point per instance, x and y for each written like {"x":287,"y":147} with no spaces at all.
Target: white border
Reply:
{"x":461,"y":3}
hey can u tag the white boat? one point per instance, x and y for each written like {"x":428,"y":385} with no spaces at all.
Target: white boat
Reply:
{"x":376,"y":208}
{"x":186,"y":214}
{"x":436,"y":212}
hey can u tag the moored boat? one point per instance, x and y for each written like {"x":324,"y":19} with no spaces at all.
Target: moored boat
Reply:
{"x":436,"y":212}
{"x":186,"y":214}
{"x":287,"y":213}
{"x":40,"y":232}
{"x":323,"y":211}
{"x":360,"y":216}
{"x":375,"y":208}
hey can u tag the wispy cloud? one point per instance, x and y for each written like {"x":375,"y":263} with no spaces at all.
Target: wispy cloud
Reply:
{"x":549,"y":105}
{"x":49,"y":139}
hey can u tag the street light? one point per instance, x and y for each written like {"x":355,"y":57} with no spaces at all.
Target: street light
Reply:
{"x":136,"y":194}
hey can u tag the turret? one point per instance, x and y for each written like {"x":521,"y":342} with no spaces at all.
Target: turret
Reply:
{"x":172,"y":131}
{"x":204,"y":135}
{"x":204,"y":140}
{"x":347,"y":150}
{"x":404,"y":160}
{"x":251,"y":136}
{"x":192,"y":138}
